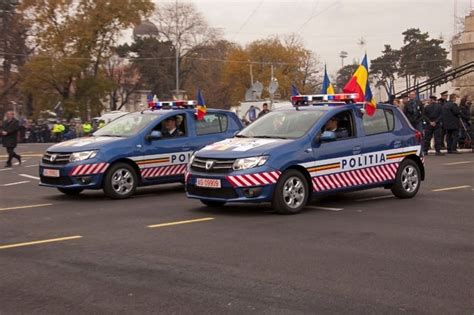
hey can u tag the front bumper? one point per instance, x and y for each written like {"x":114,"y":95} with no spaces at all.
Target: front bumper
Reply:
{"x":254,"y":186}
{"x":74,"y":175}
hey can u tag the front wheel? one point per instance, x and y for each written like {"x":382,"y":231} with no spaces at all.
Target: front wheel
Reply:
{"x":71,"y":191}
{"x":407,"y":182}
{"x":291,"y":193}
{"x":212,"y":203}
{"x":120,"y":181}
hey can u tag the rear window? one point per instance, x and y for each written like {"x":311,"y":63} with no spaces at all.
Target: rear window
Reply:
{"x":382,"y":121}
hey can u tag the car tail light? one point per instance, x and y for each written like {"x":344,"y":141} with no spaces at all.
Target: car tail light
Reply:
{"x":418,"y":136}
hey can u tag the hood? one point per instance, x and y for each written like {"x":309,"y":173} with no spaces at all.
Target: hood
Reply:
{"x":83,"y":144}
{"x":242,"y":147}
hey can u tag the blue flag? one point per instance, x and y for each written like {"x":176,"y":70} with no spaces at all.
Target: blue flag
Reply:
{"x":294,"y":90}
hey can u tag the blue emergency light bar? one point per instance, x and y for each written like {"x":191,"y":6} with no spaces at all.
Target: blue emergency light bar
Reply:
{"x":180,"y":104}
{"x":305,"y":100}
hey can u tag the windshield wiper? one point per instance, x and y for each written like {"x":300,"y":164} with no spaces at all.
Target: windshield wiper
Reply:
{"x":270,"y":137}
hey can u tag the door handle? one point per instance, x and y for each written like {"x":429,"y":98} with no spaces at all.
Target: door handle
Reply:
{"x":356,"y":150}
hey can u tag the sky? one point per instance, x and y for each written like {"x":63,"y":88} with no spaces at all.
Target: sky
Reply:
{"x":328,"y":27}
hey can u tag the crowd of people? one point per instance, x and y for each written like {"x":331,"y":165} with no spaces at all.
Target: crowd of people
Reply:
{"x":45,"y":131}
{"x":446,"y":121}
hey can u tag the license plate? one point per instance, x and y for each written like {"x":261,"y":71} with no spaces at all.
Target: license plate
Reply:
{"x":50,"y":173}
{"x":208,"y":183}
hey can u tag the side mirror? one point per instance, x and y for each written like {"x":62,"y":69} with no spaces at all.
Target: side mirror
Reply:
{"x":154,"y":135}
{"x":328,"y":136}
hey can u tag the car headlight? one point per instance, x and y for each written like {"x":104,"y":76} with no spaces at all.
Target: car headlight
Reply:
{"x":81,"y":156}
{"x":245,"y":163}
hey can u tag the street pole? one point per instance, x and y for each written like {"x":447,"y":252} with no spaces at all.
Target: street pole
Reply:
{"x":177,"y":51}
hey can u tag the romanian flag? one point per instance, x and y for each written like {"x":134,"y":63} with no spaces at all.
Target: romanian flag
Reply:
{"x":294,"y":90}
{"x":201,"y":106}
{"x":327,"y":86}
{"x":359,"y":83}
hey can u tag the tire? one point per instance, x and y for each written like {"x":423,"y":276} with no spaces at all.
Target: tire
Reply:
{"x":120,"y":181}
{"x":213,"y":203}
{"x":291,"y":193}
{"x":407,"y":181}
{"x":71,"y":191}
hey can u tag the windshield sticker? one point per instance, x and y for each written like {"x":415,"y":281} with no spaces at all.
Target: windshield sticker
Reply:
{"x":236,"y":144}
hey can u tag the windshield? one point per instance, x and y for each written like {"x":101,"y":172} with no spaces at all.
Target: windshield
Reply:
{"x":282,"y":125}
{"x":126,"y":126}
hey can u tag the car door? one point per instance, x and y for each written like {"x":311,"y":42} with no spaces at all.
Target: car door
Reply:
{"x":213,"y":128}
{"x":165,"y":158}
{"x":333,"y":157}
{"x":379,"y":142}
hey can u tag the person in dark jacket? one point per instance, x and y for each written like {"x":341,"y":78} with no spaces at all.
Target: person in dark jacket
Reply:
{"x":442,"y":100}
{"x":10,"y":129}
{"x":414,"y":112}
{"x":432,"y":114}
{"x":451,"y":115}
{"x":466,"y":127}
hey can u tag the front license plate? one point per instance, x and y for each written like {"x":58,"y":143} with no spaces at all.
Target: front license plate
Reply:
{"x":208,"y":183}
{"x":50,"y":173}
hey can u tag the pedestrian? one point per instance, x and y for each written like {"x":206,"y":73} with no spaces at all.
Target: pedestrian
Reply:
{"x":86,"y":128}
{"x":442,"y":100}
{"x":414,"y":112}
{"x":450,"y":119}
{"x":264,"y":110}
{"x":466,"y":126}
{"x":10,"y":129}
{"x":432,"y":114}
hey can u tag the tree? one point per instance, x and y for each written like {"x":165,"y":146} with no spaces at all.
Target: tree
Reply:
{"x":384,"y":69}
{"x":292,"y":64}
{"x":154,"y":61}
{"x":13,"y":52}
{"x":184,"y":26}
{"x":344,"y":75}
{"x":421,"y":56}
{"x":74,"y":38}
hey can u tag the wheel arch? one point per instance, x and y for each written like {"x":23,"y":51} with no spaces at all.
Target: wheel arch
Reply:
{"x":305,"y":172}
{"x":129,"y":162}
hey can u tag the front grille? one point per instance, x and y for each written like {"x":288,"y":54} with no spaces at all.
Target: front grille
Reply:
{"x":58,"y":181}
{"x":225,"y":193}
{"x":218,"y":165}
{"x":58,"y":158}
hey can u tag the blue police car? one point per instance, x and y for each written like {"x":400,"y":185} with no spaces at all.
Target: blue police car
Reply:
{"x":141,"y":148}
{"x":324,"y":144}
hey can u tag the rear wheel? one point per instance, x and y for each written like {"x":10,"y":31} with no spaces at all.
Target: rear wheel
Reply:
{"x":71,"y":191}
{"x":291,"y":193}
{"x":407,"y":182}
{"x":213,"y":203}
{"x":120,"y":181}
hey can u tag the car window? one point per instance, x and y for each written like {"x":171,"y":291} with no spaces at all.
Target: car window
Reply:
{"x":378,"y":122}
{"x":342,"y":124}
{"x":390,"y":119}
{"x":212,"y":123}
{"x":173,"y":126}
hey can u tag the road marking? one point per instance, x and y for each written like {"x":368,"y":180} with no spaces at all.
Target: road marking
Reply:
{"x":452,"y":188}
{"x":325,"y":208}
{"x":29,"y":176}
{"x":457,"y":163}
{"x":179,"y":222}
{"x":26,"y":207}
{"x":60,"y":239}
{"x":34,"y":165}
{"x":17,"y":183}
{"x":376,"y":198}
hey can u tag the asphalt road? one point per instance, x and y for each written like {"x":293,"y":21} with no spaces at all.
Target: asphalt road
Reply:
{"x":363,"y":252}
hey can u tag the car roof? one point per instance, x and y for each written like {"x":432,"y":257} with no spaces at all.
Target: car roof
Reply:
{"x":189,"y":110}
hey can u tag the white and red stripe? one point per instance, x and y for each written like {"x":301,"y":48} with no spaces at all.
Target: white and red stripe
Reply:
{"x":257,"y":179}
{"x":168,"y":170}
{"x":89,"y":169}
{"x":368,"y":175}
